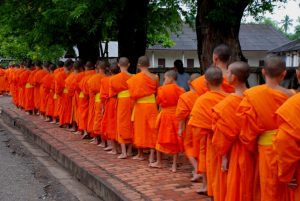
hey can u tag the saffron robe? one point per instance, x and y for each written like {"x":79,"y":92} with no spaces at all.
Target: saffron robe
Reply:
{"x":65,"y":79}
{"x":83,"y":103}
{"x":109,"y":121}
{"x":227,"y":126}
{"x":118,"y":84}
{"x":38,"y":76}
{"x":144,"y":114}
{"x":257,"y":113}
{"x":287,"y":143}
{"x":93,"y":84}
{"x":29,"y":91}
{"x":184,"y":107}
{"x":2,"y":81}
{"x":47,"y":86}
{"x":78,"y":77}
{"x":201,"y":117}
{"x":23,"y":78}
{"x":167,"y":140}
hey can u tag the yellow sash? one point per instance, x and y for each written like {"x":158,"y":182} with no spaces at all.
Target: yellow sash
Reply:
{"x":55,"y":96}
{"x":66,"y":91}
{"x":146,"y":99}
{"x":97,"y":98}
{"x":265,"y":138}
{"x":28,"y":86}
{"x":124,"y":94}
{"x":81,"y":95}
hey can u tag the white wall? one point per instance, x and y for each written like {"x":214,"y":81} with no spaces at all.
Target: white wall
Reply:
{"x":170,"y":56}
{"x":254,"y":57}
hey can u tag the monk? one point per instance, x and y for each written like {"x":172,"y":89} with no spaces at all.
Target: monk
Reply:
{"x":64,"y":81}
{"x":201,"y":119}
{"x":228,"y":147}
{"x":23,"y":78}
{"x":14,"y":84}
{"x":221,"y":58}
{"x":94,"y":85}
{"x":99,"y":105}
{"x":83,"y":103}
{"x":43,"y":94}
{"x":49,"y":87}
{"x":29,"y":92}
{"x":257,"y":115}
{"x":78,"y":70}
{"x":37,"y":78}
{"x":109,"y":121}
{"x":2,"y":80}
{"x":168,"y":141}
{"x":57,"y":103}
{"x":184,"y":107}
{"x":286,"y":143}
{"x":118,"y":87}
{"x":145,"y":109}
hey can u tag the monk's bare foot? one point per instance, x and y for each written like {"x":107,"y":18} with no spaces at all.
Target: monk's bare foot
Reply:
{"x":122,"y":156}
{"x":155,"y":165}
{"x":94,"y":142}
{"x":195,"y":177}
{"x":112,"y":152}
{"x":107,"y":148}
{"x":173,"y":169}
{"x":129,"y":154}
{"x":102,"y":145}
{"x":137,"y":157}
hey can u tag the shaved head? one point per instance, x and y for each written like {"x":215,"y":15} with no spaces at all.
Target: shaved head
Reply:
{"x":114,"y":68}
{"x":144,"y":61}
{"x":223,"y":52}
{"x":194,"y":76}
{"x":123,"y":62}
{"x":214,"y":76}
{"x":241,"y":70}
{"x":274,"y":66}
{"x":171,"y":74}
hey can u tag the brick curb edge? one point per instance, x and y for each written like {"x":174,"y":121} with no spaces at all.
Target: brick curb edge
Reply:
{"x":97,"y":184}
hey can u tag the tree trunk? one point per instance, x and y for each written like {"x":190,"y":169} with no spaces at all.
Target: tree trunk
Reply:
{"x":132,"y":35}
{"x":212,"y":31}
{"x":89,"y":50}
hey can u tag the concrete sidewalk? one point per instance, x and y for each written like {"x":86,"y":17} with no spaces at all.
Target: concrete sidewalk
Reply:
{"x":110,"y":178}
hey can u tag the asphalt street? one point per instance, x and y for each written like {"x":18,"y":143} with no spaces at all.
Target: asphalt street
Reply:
{"x":24,"y":178}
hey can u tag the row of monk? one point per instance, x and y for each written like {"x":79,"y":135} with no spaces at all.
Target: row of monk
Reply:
{"x":243,"y":143}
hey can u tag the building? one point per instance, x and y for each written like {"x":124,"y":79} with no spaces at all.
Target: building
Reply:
{"x":291,"y":52}
{"x":255,"y":39}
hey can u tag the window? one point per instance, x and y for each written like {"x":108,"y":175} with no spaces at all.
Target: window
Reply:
{"x":190,"y":63}
{"x":161,"y":63}
{"x":261,"y":63}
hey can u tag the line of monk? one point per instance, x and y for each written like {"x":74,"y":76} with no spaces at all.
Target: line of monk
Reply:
{"x":243,"y":144}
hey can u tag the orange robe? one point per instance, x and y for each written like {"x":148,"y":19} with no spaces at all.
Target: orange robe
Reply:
{"x":257,"y":113}
{"x":64,"y":80}
{"x":104,"y":95}
{"x":201,"y":118}
{"x":75,"y":98}
{"x":93,"y":84}
{"x":167,"y":139}
{"x":47,"y":87}
{"x":109,"y":121}
{"x":83,"y":103}
{"x":227,"y":126}
{"x":287,"y":143}
{"x":2,"y":81}
{"x":142,"y":88}
{"x":23,"y":78}
{"x":118,"y":87}
{"x":38,"y":76}
{"x":29,"y":92}
{"x":184,"y":107}
{"x":14,"y":84}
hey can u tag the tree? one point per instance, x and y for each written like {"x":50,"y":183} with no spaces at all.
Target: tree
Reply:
{"x":286,"y":23}
{"x":218,"y":21}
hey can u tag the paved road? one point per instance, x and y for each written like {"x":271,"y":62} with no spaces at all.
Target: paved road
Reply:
{"x":24,"y":178}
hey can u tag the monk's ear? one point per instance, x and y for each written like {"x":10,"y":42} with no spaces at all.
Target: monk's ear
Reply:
{"x":263,"y":72}
{"x":128,"y":65}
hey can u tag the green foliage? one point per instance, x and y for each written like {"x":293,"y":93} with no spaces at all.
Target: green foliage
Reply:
{"x":286,"y":23}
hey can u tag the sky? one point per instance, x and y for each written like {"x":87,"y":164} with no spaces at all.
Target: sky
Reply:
{"x":291,"y":8}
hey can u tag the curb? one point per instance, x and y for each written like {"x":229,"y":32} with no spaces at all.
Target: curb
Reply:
{"x":104,"y":186}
